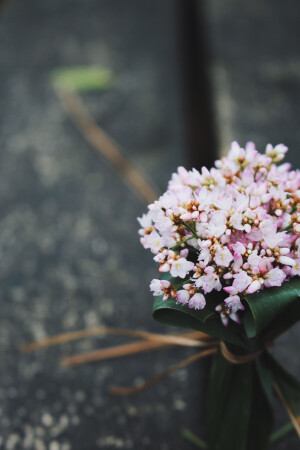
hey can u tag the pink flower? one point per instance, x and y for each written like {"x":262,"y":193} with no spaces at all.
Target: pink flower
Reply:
{"x":145,"y":221}
{"x":295,"y":271}
{"x":265,"y":266}
{"x":254,"y":259}
{"x":247,"y":176}
{"x":204,"y":256}
{"x":163,"y":223}
{"x":286,"y":261}
{"x":274,"y":278}
{"x":234,"y":303}
{"x":241,"y":281}
{"x":197,"y":301}
{"x":183,"y":296}
{"x":223,"y":257}
{"x":181,"y":267}
{"x":217,"y":224}
{"x":239,"y":248}
{"x":276,"y":153}
{"x":235,"y":227}
{"x":238,"y":262}
{"x":254,"y":286}
{"x":209,"y":282}
{"x":158,"y":286}
{"x":153,"y":241}
{"x":236,"y":221}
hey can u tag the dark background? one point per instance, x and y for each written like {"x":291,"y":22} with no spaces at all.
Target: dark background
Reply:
{"x":187,"y":82}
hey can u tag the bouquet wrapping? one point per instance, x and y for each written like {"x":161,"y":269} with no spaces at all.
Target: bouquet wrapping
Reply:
{"x":227,"y":241}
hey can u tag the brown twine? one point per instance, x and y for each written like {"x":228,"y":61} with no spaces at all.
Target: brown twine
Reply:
{"x":238,"y":359}
{"x":294,"y":419}
{"x":117,"y":390}
{"x":151,"y":341}
{"x":188,"y":339}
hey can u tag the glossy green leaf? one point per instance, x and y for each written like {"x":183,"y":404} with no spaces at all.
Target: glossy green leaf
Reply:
{"x":229,"y":407}
{"x":170,"y":313}
{"x":262,"y":417}
{"x":82,"y":78}
{"x":193,"y":439}
{"x":282,"y":432}
{"x":269,"y":304}
{"x":288,"y":384}
{"x":283,"y":322}
{"x":213,"y":300}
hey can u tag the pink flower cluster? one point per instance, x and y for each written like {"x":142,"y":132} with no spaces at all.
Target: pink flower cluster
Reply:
{"x":234,"y":228}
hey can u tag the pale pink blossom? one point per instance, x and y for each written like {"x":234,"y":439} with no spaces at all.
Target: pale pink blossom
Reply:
{"x":153,"y":241}
{"x":236,"y":221}
{"x":197,"y":301}
{"x":145,"y":221}
{"x":158,"y":286}
{"x":223,"y":257}
{"x":183,"y":296}
{"x":265,"y":266}
{"x":209,"y":282}
{"x":181,"y":267}
{"x":295,"y":271}
{"x":234,"y":227}
{"x":276,"y":153}
{"x":254,"y":259}
{"x":204,"y":256}
{"x":254,"y":286}
{"x":241,"y":281}
{"x":237,"y":262}
{"x":239,"y":248}
{"x":285,"y":260}
{"x":275,"y":277}
{"x":234,"y":303}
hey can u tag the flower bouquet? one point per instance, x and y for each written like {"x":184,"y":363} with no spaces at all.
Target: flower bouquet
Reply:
{"x":228,"y":244}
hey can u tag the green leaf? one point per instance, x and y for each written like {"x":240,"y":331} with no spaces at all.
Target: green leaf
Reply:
{"x":212,"y":301}
{"x":269,"y":304}
{"x":229,"y":407}
{"x":283,"y":322}
{"x":82,"y":78}
{"x":282,"y":432}
{"x":262,"y":417}
{"x":287,"y":383}
{"x":171,"y":313}
{"x":193,"y":439}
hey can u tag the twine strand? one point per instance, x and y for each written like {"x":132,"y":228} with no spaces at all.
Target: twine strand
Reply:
{"x":151,"y":341}
{"x":294,"y":419}
{"x":238,"y":359}
{"x":117,"y":390}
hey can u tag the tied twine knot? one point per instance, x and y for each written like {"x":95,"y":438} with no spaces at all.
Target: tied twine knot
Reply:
{"x":151,"y":341}
{"x":241,"y":359}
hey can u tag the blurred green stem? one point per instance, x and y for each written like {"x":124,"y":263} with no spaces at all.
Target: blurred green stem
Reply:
{"x":193,"y":439}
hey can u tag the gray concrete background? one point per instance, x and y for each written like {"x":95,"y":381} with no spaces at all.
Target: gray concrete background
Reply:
{"x":69,"y":251}
{"x":256,"y":71}
{"x":70,"y":256}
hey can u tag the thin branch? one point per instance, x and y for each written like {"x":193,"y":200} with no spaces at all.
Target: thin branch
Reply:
{"x":133,"y":175}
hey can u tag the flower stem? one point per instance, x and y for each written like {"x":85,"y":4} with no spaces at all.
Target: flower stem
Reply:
{"x":193,"y":439}
{"x":191,"y":229}
{"x":281,"y":432}
{"x":289,"y":227}
{"x":182,"y":242}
